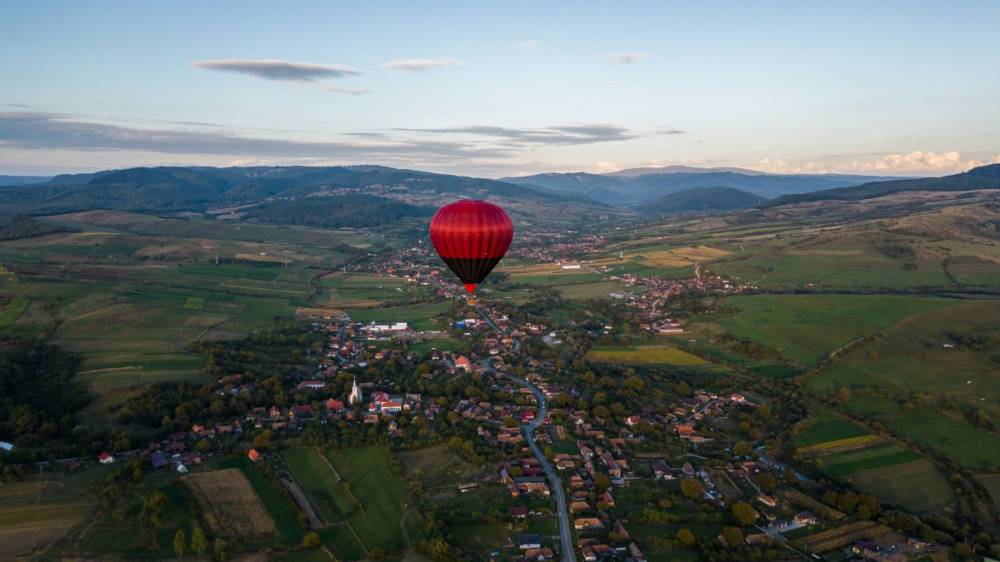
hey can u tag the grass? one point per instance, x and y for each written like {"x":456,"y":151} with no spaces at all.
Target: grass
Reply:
{"x":419,"y":316}
{"x":916,"y":485}
{"x":849,"y":462}
{"x":659,"y":354}
{"x":805,"y":328}
{"x":13,"y":310}
{"x":371,"y":499}
{"x":828,"y":427}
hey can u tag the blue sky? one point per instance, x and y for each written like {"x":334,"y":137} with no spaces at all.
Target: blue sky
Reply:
{"x":501,"y":88}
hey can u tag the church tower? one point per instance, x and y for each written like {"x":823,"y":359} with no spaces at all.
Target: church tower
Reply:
{"x":355,"y":397}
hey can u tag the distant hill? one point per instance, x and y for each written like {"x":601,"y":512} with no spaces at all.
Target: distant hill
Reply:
{"x":645,"y":184}
{"x":13,"y":227}
{"x":6,"y":181}
{"x":701,"y":199}
{"x":351,"y":211}
{"x":172,"y":188}
{"x":983,"y":177}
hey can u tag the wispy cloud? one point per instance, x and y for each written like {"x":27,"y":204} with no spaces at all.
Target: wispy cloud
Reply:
{"x":917,"y":162}
{"x":556,"y":135}
{"x":626,"y":58}
{"x":54,"y":131}
{"x":417,"y":65}
{"x":272,"y":69}
{"x":351,"y":91}
{"x":528,"y":44}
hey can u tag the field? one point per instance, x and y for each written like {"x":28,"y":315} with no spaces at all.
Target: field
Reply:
{"x":128,"y":292}
{"x":916,"y":485}
{"x":279,"y":505}
{"x":34,"y":513}
{"x":419,"y":316}
{"x":804,"y":328}
{"x":229,"y":504}
{"x":437,"y":468}
{"x":828,"y":427}
{"x":362,"y":290}
{"x":363,"y":502}
{"x":658,"y":354}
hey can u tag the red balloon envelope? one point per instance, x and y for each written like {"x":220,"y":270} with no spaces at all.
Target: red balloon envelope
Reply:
{"x":471,"y":237}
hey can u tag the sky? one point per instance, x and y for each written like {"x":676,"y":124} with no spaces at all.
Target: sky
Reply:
{"x":496,"y":88}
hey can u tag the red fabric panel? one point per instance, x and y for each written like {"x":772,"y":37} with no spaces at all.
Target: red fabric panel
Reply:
{"x":471,"y":230}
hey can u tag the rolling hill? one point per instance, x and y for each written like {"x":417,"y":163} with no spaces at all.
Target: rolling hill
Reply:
{"x":983,"y":177}
{"x":269,"y":190}
{"x":644,"y":184}
{"x":700,"y":200}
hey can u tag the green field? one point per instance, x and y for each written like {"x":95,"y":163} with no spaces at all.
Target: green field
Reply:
{"x":659,"y":354}
{"x":848,"y":462}
{"x":915,"y":485}
{"x":13,"y":310}
{"x":419,"y":316}
{"x":804,"y":328}
{"x":374,"y":503}
{"x":828,"y":427}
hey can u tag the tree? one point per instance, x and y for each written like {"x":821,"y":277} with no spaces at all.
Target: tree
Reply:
{"x":685,"y":537}
{"x":180,"y":543}
{"x":692,"y":489}
{"x":219,"y":547}
{"x":199,"y":542}
{"x":733,"y":537}
{"x":744,"y":513}
{"x":156,"y":504}
{"x":767,"y":482}
{"x":683,"y":388}
{"x":741,"y":449}
{"x":311,"y":540}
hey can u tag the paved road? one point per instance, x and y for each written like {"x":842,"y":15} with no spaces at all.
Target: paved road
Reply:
{"x":565,"y":533}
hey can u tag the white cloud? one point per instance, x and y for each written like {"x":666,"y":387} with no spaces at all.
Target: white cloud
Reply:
{"x":529,"y":44}
{"x":272,"y":69}
{"x":417,"y":65}
{"x":351,"y":91}
{"x":603,"y":167}
{"x":626,"y":58}
{"x":917,"y":162}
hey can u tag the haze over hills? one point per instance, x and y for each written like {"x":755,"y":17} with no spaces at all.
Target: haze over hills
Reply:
{"x":983,"y":177}
{"x":644,"y":184}
{"x":701,"y":200}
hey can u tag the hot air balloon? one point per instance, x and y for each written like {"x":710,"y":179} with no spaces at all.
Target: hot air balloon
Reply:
{"x":471,"y":237}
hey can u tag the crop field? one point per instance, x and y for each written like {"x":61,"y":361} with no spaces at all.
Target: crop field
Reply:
{"x":369,"y":504}
{"x":677,"y":257}
{"x":916,"y":485}
{"x":828,"y":427}
{"x":804,"y":328}
{"x":913,"y":358}
{"x":276,"y":501}
{"x":846,"y":463}
{"x":585,"y":291}
{"x":437,"y":468}
{"x":34,"y":513}
{"x":419,"y":316}
{"x":660,"y":354}
{"x":359,"y":290}
{"x":229,"y":504}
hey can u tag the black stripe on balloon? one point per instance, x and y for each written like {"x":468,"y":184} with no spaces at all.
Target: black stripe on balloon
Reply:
{"x":471,"y":270}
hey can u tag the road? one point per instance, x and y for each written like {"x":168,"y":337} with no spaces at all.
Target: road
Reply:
{"x":562,"y":513}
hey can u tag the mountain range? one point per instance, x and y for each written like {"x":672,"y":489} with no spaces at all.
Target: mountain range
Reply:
{"x":636,"y":185}
{"x":359,"y":196}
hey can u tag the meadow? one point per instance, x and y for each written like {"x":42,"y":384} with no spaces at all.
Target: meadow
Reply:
{"x":39,"y":510}
{"x":805,"y":328}
{"x":655,"y":354}
{"x":419,"y":316}
{"x":363,"y":502}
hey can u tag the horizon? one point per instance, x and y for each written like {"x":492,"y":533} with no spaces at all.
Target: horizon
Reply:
{"x":507,"y":90}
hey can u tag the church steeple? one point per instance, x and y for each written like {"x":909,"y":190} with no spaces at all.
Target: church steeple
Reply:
{"x":355,"y":397}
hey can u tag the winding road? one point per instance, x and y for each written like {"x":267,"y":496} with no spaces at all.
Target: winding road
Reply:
{"x":565,"y":533}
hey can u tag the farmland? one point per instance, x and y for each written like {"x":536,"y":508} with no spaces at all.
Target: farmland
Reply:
{"x":34,"y":513}
{"x":230,"y":504}
{"x":822,"y":323}
{"x":365,"y":508}
{"x":419,"y":316}
{"x":657,"y":354}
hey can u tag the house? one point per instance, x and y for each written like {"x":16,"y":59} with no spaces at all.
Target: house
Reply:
{"x":333,"y":405}
{"x":311,"y":385}
{"x":5,"y":446}
{"x":106,"y":458}
{"x":519,"y":511}
{"x":158,"y":459}
{"x":769,"y":501}
{"x":806,"y":518}
{"x":462,"y":362}
{"x":584,"y":523}
{"x":525,"y":542}
{"x":302,"y":411}
{"x":538,"y":554}
{"x":662,"y":471}
{"x":254,"y":455}
{"x":685,"y":431}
